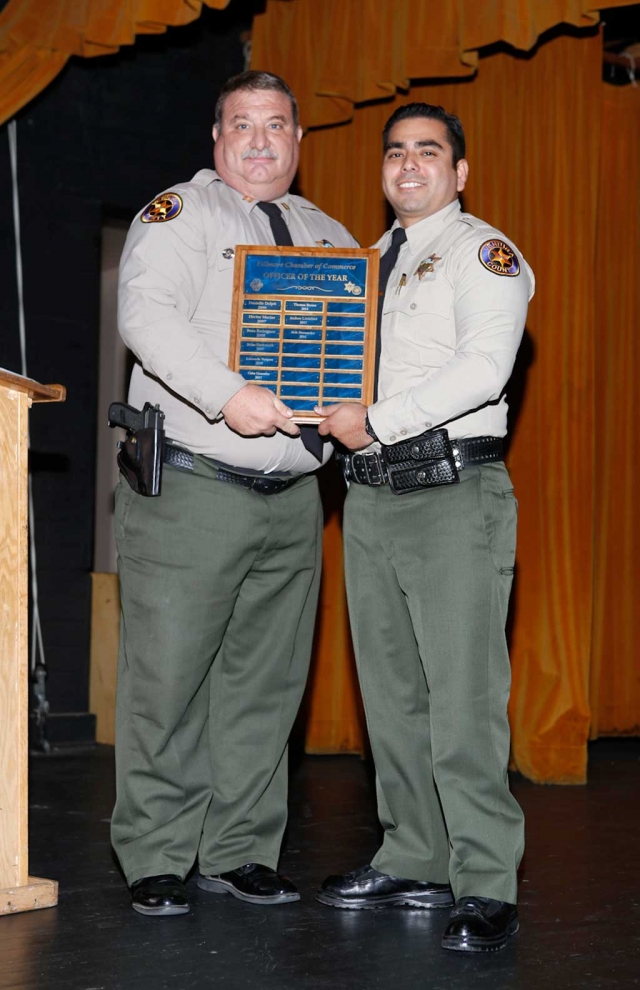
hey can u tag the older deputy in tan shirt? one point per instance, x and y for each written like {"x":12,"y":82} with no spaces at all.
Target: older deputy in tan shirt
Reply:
{"x":219,"y":576}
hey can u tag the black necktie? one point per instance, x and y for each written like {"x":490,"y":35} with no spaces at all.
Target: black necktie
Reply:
{"x":279,"y":228}
{"x":387,"y":264}
{"x":308,"y":434}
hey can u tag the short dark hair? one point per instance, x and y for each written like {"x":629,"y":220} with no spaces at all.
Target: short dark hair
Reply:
{"x":452,"y":123}
{"x":254,"y":80}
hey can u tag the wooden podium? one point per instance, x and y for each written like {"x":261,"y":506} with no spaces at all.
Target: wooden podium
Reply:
{"x":18,"y":891}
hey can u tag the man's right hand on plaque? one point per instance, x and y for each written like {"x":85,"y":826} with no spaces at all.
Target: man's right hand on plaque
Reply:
{"x":255,"y":411}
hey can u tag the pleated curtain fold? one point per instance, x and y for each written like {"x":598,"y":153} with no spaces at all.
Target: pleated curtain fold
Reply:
{"x":37,"y":37}
{"x":338,"y":53}
{"x":614,"y":676}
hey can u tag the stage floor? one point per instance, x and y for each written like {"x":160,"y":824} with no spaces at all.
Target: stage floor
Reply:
{"x":579,"y":899}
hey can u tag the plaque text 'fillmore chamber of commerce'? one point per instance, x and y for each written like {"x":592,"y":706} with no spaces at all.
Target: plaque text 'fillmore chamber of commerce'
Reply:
{"x":304,"y":323}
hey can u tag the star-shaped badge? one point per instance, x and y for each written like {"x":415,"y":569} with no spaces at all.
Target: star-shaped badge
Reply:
{"x":164,"y":208}
{"x":499,"y":258}
{"x":426,"y":266}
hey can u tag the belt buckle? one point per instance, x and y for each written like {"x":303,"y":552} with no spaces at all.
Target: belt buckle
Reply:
{"x":373,"y":468}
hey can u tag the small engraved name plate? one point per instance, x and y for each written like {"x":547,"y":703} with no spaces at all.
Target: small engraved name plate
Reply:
{"x":304,"y":324}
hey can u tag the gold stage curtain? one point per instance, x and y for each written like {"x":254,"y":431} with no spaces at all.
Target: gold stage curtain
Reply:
{"x":534,"y":138}
{"x":337,"y":53}
{"x":615,"y":676}
{"x":37,"y":37}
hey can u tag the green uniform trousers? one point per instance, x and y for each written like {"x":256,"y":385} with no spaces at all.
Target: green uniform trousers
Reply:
{"x":428,"y":582}
{"x":219,"y":589}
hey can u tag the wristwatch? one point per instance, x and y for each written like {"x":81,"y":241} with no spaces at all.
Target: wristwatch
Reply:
{"x":369,"y":428}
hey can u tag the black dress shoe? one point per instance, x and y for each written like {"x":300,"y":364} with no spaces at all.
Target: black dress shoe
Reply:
{"x":161,"y":895}
{"x":253,"y":883}
{"x":480,"y":924}
{"x":366,"y":888}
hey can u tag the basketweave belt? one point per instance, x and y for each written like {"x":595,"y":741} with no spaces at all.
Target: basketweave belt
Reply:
{"x":427,"y":461}
{"x":183,"y":459}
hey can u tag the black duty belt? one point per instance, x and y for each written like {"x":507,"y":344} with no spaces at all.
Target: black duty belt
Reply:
{"x":183,"y":459}
{"x":427,"y":461}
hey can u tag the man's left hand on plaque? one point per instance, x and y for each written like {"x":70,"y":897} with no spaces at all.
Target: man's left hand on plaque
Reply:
{"x":346,"y":422}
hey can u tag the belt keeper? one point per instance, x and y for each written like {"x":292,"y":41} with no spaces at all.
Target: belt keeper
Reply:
{"x":456,"y":453}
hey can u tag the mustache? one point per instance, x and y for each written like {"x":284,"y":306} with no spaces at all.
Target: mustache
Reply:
{"x":259,"y":153}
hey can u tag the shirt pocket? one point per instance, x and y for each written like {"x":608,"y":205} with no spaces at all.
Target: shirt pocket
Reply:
{"x":215,"y":302}
{"x":423,"y":311}
{"x":223,"y":261}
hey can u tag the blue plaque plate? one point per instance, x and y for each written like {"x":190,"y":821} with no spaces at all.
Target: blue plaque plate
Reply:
{"x":303,"y":306}
{"x":265,"y":305}
{"x":304,"y":323}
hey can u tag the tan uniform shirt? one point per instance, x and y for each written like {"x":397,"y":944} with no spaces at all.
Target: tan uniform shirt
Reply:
{"x":174,"y":312}
{"x":450,"y":337}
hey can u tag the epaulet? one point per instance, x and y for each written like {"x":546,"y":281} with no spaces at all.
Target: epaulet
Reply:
{"x":205,"y":177}
{"x":305,"y":204}
{"x":481,"y":227}
{"x":471,"y":221}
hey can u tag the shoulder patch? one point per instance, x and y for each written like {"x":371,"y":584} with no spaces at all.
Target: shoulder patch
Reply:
{"x":165,"y":207}
{"x":499,"y":258}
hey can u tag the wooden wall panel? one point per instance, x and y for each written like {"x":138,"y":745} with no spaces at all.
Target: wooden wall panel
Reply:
{"x":105,"y":634}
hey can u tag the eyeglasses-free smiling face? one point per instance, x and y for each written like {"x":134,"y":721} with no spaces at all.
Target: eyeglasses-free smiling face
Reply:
{"x":418,"y":176}
{"x":257,"y":145}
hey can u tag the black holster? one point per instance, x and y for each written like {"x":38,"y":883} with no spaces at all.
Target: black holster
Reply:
{"x":141,"y":455}
{"x":140,"y":460}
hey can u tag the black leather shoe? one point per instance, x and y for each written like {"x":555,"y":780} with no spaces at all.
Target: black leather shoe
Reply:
{"x":253,"y":883}
{"x":479,"y":924}
{"x":366,"y":888}
{"x":161,"y":895}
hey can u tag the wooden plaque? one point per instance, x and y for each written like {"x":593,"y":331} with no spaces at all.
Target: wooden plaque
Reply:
{"x":303,"y":323}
